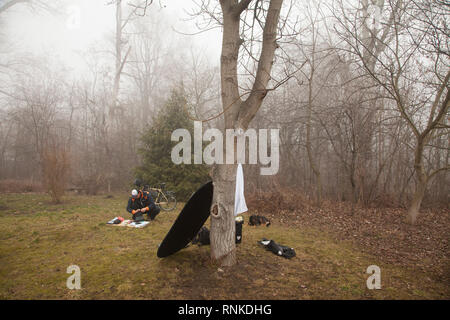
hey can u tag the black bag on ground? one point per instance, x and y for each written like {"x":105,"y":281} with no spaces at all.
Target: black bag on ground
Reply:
{"x":256,"y":220}
{"x":278,"y":249}
{"x":202,"y":237}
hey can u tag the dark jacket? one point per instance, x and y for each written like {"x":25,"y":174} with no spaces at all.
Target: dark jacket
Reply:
{"x":144,"y":200}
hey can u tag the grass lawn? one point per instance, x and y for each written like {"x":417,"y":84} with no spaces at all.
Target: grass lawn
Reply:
{"x":39,"y":240}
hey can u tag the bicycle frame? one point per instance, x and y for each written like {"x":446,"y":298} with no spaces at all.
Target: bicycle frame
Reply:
{"x":159,"y":195}
{"x":162,"y":196}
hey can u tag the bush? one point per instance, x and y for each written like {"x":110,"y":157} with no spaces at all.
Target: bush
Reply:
{"x":90,"y":184}
{"x":276,"y":200}
{"x":19,"y":186}
{"x":55,"y":164}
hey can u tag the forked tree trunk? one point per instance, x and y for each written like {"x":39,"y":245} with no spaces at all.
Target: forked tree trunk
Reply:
{"x":238,"y":116}
{"x":222,"y":218}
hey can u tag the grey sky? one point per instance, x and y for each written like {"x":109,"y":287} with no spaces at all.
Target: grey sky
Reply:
{"x":42,"y":32}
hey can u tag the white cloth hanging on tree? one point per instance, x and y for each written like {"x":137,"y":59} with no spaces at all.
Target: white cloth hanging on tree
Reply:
{"x":239,"y":200}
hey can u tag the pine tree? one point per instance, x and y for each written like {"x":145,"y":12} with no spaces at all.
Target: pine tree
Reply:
{"x":157,"y":165}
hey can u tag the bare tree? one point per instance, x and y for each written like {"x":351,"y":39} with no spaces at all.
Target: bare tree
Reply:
{"x":239,"y":112}
{"x":33,"y":4}
{"x":413,"y":71}
{"x":148,"y":55}
{"x":55,"y":163}
{"x":316,"y":54}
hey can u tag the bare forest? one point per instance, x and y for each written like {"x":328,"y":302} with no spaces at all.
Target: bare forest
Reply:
{"x":358,"y":89}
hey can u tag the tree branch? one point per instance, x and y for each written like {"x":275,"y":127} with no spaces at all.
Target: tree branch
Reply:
{"x":11,"y":3}
{"x":240,"y":7}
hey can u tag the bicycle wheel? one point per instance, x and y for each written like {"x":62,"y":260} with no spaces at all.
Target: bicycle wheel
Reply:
{"x":167,"y":201}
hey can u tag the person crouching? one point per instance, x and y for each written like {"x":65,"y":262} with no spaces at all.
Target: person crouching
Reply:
{"x":142,"y":202}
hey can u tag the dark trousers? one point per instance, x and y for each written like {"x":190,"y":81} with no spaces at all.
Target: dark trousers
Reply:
{"x":153,"y":212}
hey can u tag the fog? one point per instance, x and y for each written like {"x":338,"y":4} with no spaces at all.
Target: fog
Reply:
{"x":72,"y":27}
{"x":358,"y":90}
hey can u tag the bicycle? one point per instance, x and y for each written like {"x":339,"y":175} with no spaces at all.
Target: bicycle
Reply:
{"x":164,"y":199}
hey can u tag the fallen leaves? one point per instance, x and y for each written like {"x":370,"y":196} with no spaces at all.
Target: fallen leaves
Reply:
{"x":379,"y":231}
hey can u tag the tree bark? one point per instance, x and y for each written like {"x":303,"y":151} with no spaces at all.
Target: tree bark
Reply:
{"x":421,"y":184}
{"x":222,"y":215}
{"x":422,"y":140}
{"x":238,"y":116}
{"x":413,"y":210}
{"x":222,"y":210}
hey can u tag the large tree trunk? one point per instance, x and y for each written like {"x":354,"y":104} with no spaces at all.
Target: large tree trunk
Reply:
{"x":238,"y":116}
{"x":222,"y":215}
{"x":222,"y":210}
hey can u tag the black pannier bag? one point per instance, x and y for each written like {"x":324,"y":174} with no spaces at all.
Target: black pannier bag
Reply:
{"x":202,"y":237}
